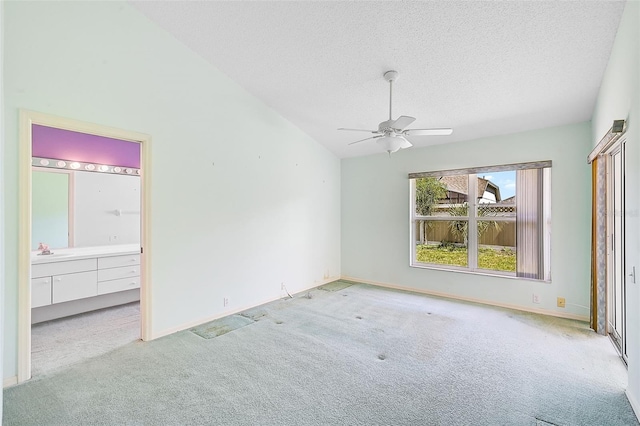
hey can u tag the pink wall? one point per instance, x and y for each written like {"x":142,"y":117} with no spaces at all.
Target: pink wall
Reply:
{"x":50,"y":142}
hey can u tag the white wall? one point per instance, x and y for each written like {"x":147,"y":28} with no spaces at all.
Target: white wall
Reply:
{"x":96,"y":198}
{"x":242,"y":200}
{"x":375,"y":218}
{"x":618,"y":99}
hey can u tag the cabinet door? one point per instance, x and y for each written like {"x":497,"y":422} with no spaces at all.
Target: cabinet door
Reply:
{"x":74,"y":286}
{"x":40,"y":292}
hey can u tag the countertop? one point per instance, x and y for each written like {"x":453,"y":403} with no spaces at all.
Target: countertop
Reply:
{"x":77,"y":253}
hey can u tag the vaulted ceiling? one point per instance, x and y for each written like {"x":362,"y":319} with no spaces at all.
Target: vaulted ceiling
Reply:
{"x":482,"y":68}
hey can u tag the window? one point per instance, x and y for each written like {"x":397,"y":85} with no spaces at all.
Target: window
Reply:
{"x":492,"y":220}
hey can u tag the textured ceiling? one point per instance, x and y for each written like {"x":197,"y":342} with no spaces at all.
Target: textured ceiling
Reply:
{"x":482,"y":68}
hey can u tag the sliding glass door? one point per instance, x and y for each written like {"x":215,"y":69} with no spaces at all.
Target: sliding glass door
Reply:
{"x":615,"y":247}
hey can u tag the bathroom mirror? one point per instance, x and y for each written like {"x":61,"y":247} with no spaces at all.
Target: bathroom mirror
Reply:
{"x":50,"y":218}
{"x":74,"y":208}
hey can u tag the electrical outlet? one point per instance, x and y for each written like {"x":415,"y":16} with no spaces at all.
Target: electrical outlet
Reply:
{"x":225,"y":301}
{"x":535,"y":298}
{"x":561,"y":302}
{"x":281,"y":286}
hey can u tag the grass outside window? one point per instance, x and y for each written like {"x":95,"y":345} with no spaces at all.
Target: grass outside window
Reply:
{"x":454,"y":255}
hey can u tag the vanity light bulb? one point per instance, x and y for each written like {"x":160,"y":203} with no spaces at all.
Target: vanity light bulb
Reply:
{"x":44,"y":162}
{"x":103,"y":168}
{"x":128,"y":171}
{"x":61,"y":164}
{"x":117,"y":169}
{"x":74,"y":165}
{"x":90,"y":167}
{"x":138,"y":172}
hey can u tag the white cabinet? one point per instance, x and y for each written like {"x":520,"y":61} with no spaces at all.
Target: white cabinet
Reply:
{"x":118,"y":273}
{"x":67,"y":280}
{"x":40,"y":292}
{"x":75,"y":286}
{"x":57,"y":280}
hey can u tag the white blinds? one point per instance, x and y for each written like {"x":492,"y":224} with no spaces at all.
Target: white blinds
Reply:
{"x":530,"y":219}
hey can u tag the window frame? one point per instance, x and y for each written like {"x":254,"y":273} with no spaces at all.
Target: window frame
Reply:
{"x":473,"y":218}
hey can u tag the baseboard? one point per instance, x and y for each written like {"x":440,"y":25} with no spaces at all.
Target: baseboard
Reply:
{"x":634,"y":404}
{"x":9,"y":381}
{"x":205,"y":320}
{"x":471,"y":299}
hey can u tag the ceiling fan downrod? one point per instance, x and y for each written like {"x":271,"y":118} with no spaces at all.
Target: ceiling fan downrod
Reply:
{"x":390,"y":76}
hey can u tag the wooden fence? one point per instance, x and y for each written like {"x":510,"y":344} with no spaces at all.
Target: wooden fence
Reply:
{"x":438,"y":231}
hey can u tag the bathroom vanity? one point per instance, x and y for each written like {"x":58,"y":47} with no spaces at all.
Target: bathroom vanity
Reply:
{"x":75,"y":280}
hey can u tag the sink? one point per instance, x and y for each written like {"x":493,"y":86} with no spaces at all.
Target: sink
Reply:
{"x":54,"y":255}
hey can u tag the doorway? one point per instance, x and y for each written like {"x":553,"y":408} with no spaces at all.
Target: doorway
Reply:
{"x":106,"y":274}
{"x":616,"y":277}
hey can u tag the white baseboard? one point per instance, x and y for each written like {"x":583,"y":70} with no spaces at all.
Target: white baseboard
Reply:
{"x":634,"y":404}
{"x":9,"y":381}
{"x":232,"y":312}
{"x":471,"y":299}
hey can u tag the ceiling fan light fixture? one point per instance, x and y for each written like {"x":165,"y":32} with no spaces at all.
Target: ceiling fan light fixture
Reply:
{"x":393,"y":144}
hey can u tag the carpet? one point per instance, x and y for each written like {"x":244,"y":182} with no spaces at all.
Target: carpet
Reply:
{"x":359,"y":356}
{"x":221,"y":326}
{"x":335,"y":286}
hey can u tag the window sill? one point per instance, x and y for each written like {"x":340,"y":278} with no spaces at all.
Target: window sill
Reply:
{"x":487,"y":273}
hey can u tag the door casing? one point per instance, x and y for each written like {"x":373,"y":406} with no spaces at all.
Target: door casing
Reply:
{"x":27,"y":120}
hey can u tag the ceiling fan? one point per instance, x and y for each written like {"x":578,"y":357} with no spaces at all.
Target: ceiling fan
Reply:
{"x":391,"y":134}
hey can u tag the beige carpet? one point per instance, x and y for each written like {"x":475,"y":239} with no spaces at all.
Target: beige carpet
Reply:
{"x":357,"y":356}
{"x":66,"y":341}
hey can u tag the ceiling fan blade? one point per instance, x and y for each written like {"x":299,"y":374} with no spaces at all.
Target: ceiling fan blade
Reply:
{"x":366,"y":139}
{"x":405,"y":144}
{"x":358,"y":130}
{"x":402,"y":122}
{"x":428,"y":132}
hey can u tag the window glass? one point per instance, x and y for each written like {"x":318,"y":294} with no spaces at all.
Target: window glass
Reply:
{"x":442,"y":242}
{"x":486,"y":221}
{"x":497,"y":246}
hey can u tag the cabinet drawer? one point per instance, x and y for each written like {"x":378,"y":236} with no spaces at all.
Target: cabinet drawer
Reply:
{"x":112,"y":286}
{"x":118,"y":273}
{"x":118,"y":261}
{"x":59,"y":268}
{"x":75,"y":286}
{"x":40,"y":292}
